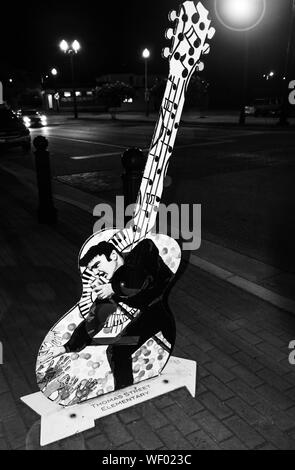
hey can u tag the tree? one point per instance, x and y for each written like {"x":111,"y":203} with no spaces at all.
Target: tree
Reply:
{"x":112,"y":95}
{"x":196,"y":95}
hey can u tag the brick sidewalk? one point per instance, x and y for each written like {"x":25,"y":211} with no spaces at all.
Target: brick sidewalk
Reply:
{"x":245,"y":394}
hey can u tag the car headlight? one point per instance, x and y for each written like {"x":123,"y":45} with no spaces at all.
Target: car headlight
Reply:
{"x":27,"y":121}
{"x":43,"y":119}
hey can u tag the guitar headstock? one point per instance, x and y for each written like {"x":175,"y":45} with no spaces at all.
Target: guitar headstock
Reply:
{"x":188,"y":39}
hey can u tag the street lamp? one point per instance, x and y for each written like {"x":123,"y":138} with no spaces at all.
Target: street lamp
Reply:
{"x":72,"y":50}
{"x":146,"y":55}
{"x":54,"y":73}
{"x":269,"y":75}
{"x":242,"y":16}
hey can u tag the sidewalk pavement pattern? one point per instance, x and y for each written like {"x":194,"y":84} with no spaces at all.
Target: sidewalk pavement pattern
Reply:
{"x":245,"y":387}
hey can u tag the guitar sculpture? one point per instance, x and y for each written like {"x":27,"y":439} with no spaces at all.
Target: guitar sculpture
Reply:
{"x":105,"y":342}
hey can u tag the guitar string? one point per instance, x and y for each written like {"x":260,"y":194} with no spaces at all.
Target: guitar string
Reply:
{"x":154,"y":148}
{"x":157,"y":136}
{"x":165,"y":162}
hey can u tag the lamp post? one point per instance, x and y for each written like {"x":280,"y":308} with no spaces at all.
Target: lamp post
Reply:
{"x":72,"y":50}
{"x":242,"y":16}
{"x":146,"y":55}
{"x":283,"y":121}
{"x":43,"y":79}
{"x":54,"y":73}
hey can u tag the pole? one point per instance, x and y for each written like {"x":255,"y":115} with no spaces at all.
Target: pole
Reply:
{"x":283,"y":121}
{"x":47,"y":213}
{"x":73,"y":86}
{"x":43,"y":93}
{"x":242,"y":118}
{"x":146,"y":88}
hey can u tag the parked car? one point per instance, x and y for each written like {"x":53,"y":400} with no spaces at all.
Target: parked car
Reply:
{"x":13,"y":132}
{"x":264,"y":107}
{"x":32,"y":117}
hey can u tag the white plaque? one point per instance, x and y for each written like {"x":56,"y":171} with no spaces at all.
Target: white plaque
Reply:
{"x":60,"y":422}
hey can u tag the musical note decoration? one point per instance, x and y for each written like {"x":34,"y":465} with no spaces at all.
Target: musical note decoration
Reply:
{"x":188,"y":39}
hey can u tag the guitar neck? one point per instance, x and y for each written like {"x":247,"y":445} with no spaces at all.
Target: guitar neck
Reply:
{"x":150,"y":192}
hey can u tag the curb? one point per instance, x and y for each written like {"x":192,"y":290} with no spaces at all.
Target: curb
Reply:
{"x":231,"y":277}
{"x":267,"y":295}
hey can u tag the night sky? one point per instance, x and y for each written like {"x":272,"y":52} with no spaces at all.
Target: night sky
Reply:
{"x":113,"y":34}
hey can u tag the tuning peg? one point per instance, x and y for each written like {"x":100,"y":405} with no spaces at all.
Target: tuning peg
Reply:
{"x":211,"y":32}
{"x":166,"y":53}
{"x":206,"y":48}
{"x":172,"y":15}
{"x":200,"y":67}
{"x":169,"y":33}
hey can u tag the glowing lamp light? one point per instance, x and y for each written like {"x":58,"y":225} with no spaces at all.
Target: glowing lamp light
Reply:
{"x":240,"y":15}
{"x":146,"y":54}
{"x":54,"y":72}
{"x":64,"y":46}
{"x":76,"y":46}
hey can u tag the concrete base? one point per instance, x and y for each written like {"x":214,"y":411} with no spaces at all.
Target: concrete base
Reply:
{"x":60,"y":422}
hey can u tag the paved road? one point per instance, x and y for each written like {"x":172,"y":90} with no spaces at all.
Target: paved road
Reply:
{"x":242,"y":177}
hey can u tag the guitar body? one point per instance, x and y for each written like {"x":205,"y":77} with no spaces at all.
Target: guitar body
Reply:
{"x":75,"y":377}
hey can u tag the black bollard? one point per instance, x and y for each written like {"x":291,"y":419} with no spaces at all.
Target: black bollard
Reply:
{"x":47,"y":214}
{"x":133,"y":161}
